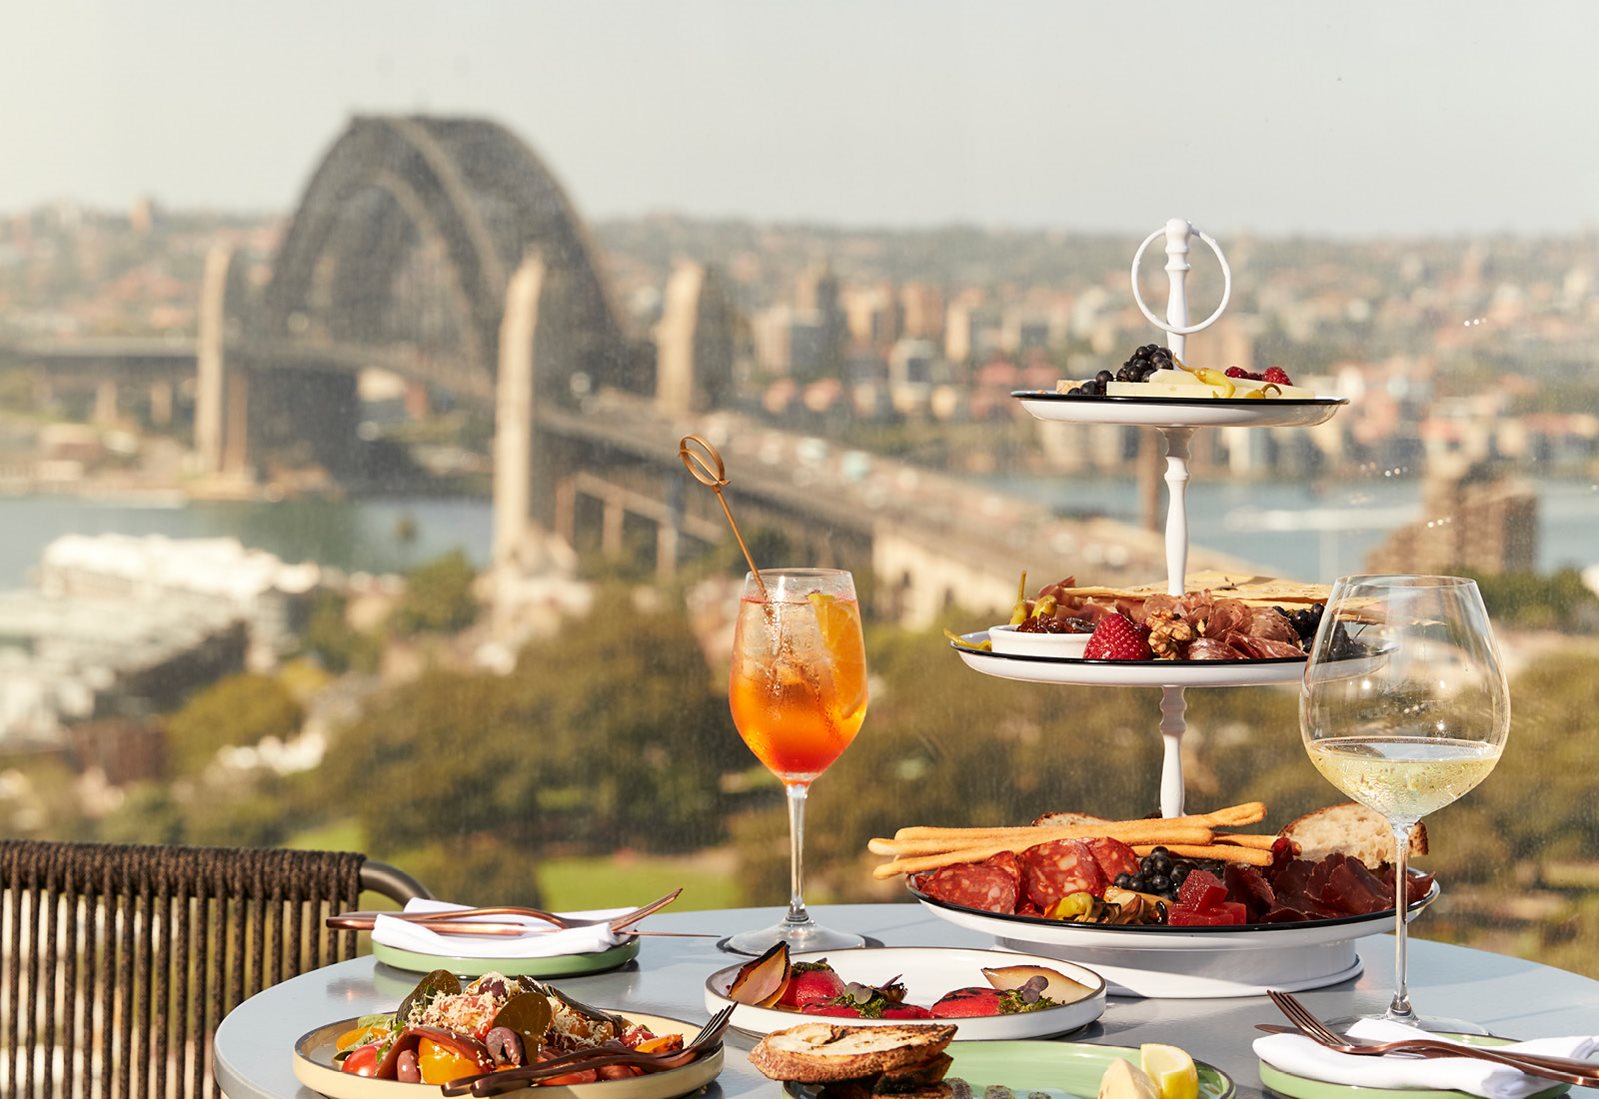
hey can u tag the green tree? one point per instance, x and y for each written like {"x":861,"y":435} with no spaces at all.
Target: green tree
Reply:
{"x":335,"y":643}
{"x":609,"y":735}
{"x":438,"y":596}
{"x":237,"y":711}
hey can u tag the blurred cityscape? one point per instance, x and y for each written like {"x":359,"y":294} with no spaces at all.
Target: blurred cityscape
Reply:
{"x":348,"y":444}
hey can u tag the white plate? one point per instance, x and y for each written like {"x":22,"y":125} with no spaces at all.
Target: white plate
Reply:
{"x":1179,"y":411}
{"x":1128,"y":673}
{"x":928,"y":973}
{"x":1008,"y":639}
{"x":314,"y":1067}
{"x":1191,"y":962}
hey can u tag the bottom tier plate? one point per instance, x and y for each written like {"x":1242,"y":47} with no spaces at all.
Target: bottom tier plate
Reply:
{"x":1191,"y":963}
{"x":1208,"y":975}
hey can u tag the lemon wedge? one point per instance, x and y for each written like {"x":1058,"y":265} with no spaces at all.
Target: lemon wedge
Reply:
{"x":1171,"y":1069}
{"x":840,"y":624}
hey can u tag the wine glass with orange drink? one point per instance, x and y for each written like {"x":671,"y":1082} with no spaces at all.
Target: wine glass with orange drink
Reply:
{"x":798,"y":696}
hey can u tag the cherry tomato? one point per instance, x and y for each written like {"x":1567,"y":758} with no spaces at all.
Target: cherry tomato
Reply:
{"x":362,"y":1061}
{"x":440,"y":1064}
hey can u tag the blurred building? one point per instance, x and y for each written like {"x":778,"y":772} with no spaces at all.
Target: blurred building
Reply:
{"x":1473,"y":520}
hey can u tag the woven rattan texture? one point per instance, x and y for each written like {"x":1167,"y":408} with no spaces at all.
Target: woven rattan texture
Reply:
{"x":119,"y":961}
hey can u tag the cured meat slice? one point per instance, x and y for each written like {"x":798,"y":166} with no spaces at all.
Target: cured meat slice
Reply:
{"x":1264,"y":648}
{"x":993,"y":885}
{"x":1269,"y":624}
{"x":1227,"y":616}
{"x":1055,"y":869}
{"x":1113,"y":856}
{"x":1209,"y":648}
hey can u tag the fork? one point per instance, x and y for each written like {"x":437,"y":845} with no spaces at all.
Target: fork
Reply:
{"x":1564,"y":1069}
{"x":494,"y":1083}
{"x":347,"y":920}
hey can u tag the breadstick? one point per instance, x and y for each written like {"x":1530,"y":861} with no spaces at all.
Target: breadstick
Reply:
{"x":1244,"y":839}
{"x":915,"y":863}
{"x":1223,"y":852}
{"x":1128,"y":831}
{"x":1232,"y":816}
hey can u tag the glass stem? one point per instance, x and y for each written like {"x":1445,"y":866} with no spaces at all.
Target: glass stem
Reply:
{"x":1399,"y":1010}
{"x":797,"y":792}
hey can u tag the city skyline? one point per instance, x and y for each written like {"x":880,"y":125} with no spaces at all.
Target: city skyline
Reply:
{"x":894,"y":114}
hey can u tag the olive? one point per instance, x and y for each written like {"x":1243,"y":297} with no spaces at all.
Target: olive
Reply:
{"x":405,"y":1069}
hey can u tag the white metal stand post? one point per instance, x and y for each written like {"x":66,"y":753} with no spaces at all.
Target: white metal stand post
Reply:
{"x":1176,"y":439}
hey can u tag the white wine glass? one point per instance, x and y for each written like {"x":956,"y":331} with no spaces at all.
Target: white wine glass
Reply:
{"x":1405,"y":708}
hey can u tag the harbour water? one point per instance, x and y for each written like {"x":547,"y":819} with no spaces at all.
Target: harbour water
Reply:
{"x":1315,"y":532}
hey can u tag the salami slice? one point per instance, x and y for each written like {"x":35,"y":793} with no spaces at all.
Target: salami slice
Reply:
{"x":1114,"y":857}
{"x":992,"y":886}
{"x":1055,"y":869}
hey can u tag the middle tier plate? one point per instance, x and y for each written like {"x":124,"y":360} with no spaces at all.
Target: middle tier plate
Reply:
{"x":1128,"y":673}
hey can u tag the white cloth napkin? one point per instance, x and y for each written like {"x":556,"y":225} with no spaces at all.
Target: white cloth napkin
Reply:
{"x":1298,"y":1055}
{"x":542,"y":940}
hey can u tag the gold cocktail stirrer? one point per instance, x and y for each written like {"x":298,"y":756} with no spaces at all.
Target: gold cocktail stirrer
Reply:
{"x":705,"y":464}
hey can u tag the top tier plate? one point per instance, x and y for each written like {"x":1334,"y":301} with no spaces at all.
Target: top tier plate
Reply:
{"x":1179,"y":411}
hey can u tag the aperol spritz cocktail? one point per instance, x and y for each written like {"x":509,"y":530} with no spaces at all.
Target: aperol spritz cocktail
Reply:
{"x":798,"y":696}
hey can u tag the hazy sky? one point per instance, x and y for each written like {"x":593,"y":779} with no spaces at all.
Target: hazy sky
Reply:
{"x":1277,"y":116}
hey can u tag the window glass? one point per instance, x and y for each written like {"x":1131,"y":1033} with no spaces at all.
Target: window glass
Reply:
{"x":345,"y":351}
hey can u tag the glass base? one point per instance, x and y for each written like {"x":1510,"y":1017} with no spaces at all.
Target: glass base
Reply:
{"x":1436,"y":1024}
{"x":799,"y":935}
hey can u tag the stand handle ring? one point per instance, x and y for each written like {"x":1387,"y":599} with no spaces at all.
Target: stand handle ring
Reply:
{"x":1226,"y":289}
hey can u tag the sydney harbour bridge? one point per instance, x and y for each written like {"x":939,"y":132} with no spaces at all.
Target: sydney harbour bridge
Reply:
{"x":443,"y":251}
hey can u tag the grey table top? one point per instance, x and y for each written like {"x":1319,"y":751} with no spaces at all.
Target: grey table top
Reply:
{"x":1507,"y":995}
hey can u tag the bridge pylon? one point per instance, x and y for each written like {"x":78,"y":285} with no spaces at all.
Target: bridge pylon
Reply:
{"x":222,"y":390}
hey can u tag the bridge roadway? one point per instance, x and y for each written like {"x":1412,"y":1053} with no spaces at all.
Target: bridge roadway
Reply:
{"x":939,"y":540}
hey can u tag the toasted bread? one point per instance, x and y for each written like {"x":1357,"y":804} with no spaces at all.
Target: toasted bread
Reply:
{"x":1355,"y":830}
{"x":820,"y":1053}
{"x":1066,"y":820}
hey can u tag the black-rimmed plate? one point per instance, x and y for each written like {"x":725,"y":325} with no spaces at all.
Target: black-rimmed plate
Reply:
{"x":1179,"y":411}
{"x":1127,"y":673}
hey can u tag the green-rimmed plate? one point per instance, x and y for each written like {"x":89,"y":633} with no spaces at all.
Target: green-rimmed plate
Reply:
{"x":1061,"y":1070}
{"x":1299,"y":1087}
{"x":559,"y":965}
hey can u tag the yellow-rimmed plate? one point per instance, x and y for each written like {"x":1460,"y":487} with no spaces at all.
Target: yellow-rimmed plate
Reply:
{"x":314,"y":1067}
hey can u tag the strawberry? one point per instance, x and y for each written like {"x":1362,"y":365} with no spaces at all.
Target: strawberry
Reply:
{"x":1276,"y":375}
{"x":1116,"y":638}
{"x":808,"y":983}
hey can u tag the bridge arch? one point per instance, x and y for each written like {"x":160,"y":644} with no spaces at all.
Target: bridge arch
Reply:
{"x":483,"y":200}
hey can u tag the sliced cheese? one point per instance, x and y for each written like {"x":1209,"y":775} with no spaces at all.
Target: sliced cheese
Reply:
{"x":1181,"y":383}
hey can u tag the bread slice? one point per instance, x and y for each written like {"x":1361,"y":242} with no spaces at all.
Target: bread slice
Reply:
{"x":1066,"y":820}
{"x":1355,"y":830}
{"x":820,"y":1053}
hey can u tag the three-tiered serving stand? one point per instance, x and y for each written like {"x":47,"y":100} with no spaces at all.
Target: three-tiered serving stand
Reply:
{"x":1176,"y":419}
{"x":1163,"y":961}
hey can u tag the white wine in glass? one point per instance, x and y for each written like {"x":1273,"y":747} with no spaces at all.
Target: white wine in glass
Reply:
{"x":1405,"y":708}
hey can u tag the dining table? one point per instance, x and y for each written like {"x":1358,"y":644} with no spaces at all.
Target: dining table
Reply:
{"x":253,"y":1047}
